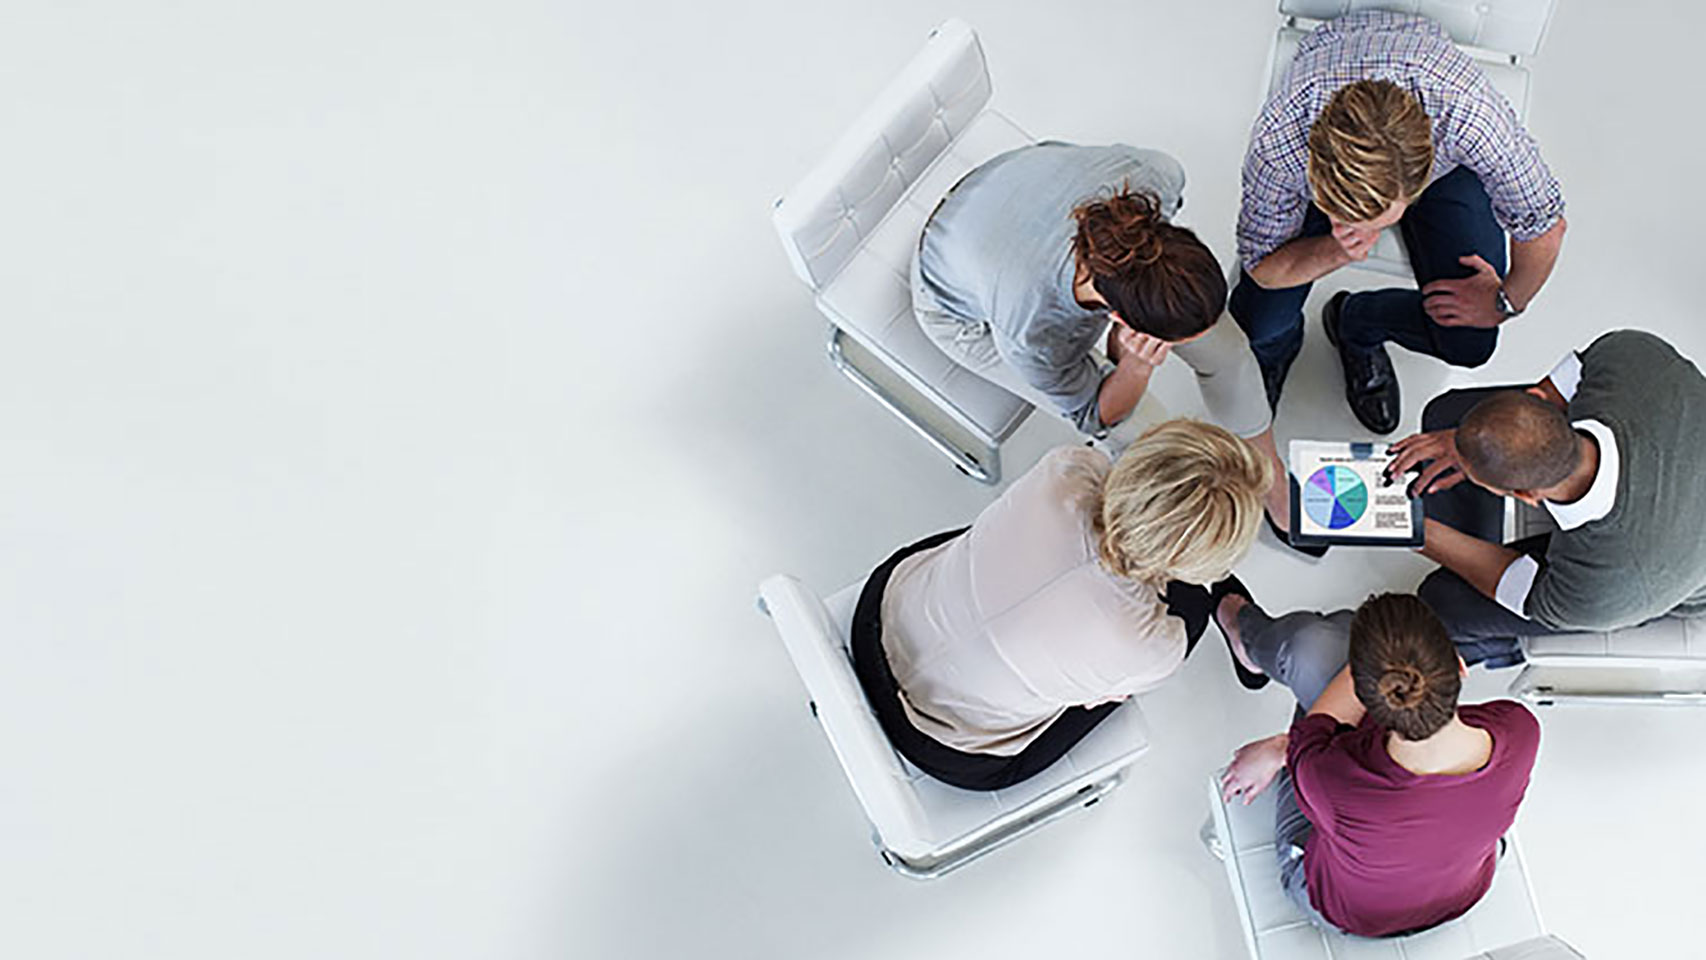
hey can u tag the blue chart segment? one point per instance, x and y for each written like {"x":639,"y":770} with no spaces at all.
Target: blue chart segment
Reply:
{"x":1335,"y":497}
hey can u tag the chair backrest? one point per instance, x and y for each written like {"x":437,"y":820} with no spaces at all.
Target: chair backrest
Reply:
{"x":829,"y":213}
{"x":1502,"y":26}
{"x":816,"y":646}
{"x":1664,"y":641}
{"x":1540,"y":948}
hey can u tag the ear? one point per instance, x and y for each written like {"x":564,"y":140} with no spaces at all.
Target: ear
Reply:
{"x":1114,"y":315}
{"x":1529,"y":497}
{"x":1462,"y":668}
{"x":1537,"y":392}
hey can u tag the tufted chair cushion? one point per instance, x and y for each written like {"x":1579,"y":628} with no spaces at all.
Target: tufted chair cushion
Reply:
{"x":829,"y":214}
{"x":1668,"y":639}
{"x":1502,"y":26}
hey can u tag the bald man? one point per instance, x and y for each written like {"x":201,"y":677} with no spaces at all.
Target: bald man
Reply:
{"x":1613,"y":445}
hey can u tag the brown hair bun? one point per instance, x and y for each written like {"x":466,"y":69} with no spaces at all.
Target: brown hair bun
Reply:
{"x":1404,"y":666}
{"x":1118,"y":233}
{"x":1403,"y":687}
{"x":1158,"y":277}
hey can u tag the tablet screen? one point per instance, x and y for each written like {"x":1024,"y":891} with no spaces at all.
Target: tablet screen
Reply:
{"x":1340,"y":495}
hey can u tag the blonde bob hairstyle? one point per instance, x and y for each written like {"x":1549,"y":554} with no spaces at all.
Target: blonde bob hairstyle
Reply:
{"x":1372,"y":146}
{"x":1182,"y":503}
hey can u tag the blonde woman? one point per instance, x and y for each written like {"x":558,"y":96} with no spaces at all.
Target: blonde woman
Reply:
{"x":1382,"y":123}
{"x":988,"y":652}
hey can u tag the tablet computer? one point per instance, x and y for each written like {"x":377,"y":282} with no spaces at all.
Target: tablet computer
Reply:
{"x":1339,"y":495}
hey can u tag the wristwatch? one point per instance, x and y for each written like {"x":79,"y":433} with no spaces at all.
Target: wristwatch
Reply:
{"x":1504,"y":304}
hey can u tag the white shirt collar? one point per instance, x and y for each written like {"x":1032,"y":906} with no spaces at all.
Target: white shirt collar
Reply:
{"x":1602,"y":494}
{"x":1566,"y":377}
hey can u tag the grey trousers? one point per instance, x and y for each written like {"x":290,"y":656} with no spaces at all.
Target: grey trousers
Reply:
{"x":1304,"y":651}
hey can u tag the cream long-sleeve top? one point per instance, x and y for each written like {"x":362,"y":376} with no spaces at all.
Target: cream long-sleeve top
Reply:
{"x":994,"y":634}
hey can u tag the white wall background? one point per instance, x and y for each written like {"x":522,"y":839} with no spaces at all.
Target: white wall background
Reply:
{"x":399,"y":402}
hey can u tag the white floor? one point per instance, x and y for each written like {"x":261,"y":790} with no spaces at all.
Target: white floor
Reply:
{"x":400,"y":402}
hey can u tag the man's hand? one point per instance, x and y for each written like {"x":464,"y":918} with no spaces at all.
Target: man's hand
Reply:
{"x":1253,"y":767}
{"x":1443,"y":472}
{"x":1356,"y":241}
{"x":1132,"y":347}
{"x":1470,"y":302}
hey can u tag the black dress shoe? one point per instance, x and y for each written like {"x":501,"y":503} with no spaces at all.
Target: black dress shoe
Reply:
{"x":1285,"y":538}
{"x":1371,"y":386}
{"x":1217,"y":593}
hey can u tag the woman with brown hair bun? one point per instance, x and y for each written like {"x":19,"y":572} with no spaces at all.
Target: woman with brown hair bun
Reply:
{"x":1393,"y":798}
{"x":1031,"y":256}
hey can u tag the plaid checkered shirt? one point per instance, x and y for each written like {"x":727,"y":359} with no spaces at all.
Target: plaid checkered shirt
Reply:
{"x":1474,"y":126}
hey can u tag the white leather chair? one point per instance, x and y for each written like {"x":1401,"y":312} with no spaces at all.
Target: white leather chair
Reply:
{"x":1540,"y":948}
{"x":1660,"y":662}
{"x":1498,"y":34}
{"x":1505,"y":924}
{"x":922,"y":827}
{"x":852,"y":224}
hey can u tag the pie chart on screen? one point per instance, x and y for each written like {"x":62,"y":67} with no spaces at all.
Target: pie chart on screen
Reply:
{"x":1335,"y":497}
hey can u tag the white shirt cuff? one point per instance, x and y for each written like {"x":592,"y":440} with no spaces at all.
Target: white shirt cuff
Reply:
{"x":1514,"y":585}
{"x":1567,"y":375}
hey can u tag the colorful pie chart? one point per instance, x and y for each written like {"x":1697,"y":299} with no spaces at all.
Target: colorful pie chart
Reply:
{"x":1335,"y":497}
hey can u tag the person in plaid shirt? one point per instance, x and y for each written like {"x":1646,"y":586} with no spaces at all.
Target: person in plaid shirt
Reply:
{"x":1380,"y":122}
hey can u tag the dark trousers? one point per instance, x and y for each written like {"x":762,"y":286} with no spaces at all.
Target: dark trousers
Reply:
{"x":969,"y":771}
{"x":1481,"y":627}
{"x":1452,"y":218}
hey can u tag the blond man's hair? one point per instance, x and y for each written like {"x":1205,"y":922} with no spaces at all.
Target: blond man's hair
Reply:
{"x":1372,"y":146}
{"x":1182,"y":503}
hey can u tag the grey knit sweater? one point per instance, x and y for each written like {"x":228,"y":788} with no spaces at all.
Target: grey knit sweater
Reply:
{"x":1647,"y":557}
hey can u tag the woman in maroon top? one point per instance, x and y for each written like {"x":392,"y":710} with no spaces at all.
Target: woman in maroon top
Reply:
{"x":1392,"y":797}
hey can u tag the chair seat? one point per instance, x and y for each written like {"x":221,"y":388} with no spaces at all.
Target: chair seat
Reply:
{"x":1277,"y":930}
{"x":871,"y":298}
{"x":946,"y":816}
{"x":1670,"y":639}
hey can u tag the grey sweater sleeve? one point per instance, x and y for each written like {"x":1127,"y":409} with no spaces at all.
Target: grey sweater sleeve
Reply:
{"x":1073,"y":387}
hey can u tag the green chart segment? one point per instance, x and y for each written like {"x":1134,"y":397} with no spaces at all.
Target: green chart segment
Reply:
{"x":1335,"y":497}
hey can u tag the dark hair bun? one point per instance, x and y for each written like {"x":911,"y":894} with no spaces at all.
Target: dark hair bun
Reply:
{"x":1158,"y":277}
{"x":1119,"y":232}
{"x":1403,"y":687}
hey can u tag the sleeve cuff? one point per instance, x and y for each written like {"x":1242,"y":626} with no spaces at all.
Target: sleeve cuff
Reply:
{"x":1089,"y":421}
{"x":1532,"y":229}
{"x":1567,"y":376}
{"x":1251,"y":254}
{"x":1514,"y":585}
